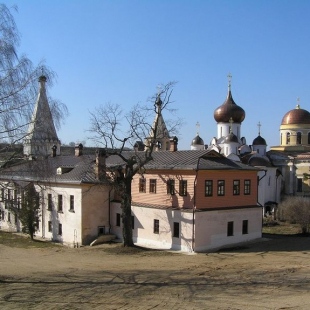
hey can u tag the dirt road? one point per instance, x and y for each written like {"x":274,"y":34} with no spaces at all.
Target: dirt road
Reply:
{"x":271,"y":274}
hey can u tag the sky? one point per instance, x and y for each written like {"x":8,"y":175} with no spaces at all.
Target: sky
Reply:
{"x":119,"y":51}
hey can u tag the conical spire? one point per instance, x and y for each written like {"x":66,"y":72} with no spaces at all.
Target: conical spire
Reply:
{"x":42,"y":134}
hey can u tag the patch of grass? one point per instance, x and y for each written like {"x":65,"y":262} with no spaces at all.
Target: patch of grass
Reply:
{"x":22,"y":241}
{"x":282,"y":228}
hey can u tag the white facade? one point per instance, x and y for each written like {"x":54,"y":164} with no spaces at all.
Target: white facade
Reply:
{"x":199,"y":231}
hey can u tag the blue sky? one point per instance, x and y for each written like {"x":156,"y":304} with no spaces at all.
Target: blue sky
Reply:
{"x":119,"y":51}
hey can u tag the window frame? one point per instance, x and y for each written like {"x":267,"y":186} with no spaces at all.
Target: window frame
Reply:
{"x":60,"y":203}
{"x":156,"y":227}
{"x":221,"y":188}
{"x":245,"y":227}
{"x":183,"y":188}
{"x":247,"y":187}
{"x":208,"y":188}
{"x":152,"y":186}
{"x":171,"y":187}
{"x":176,"y":230}
{"x":236,"y":187}
{"x":230,"y":229}
{"x":142,"y":185}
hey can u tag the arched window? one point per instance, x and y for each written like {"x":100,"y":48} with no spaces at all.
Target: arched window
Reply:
{"x":298,"y":140}
{"x":288,"y":138}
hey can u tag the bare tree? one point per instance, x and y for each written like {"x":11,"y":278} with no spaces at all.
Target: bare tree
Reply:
{"x":118,"y":133}
{"x":18,"y":84}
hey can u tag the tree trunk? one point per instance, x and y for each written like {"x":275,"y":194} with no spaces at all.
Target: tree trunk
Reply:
{"x":126,"y":212}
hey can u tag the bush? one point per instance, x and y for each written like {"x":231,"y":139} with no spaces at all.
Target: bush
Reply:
{"x":296,"y":210}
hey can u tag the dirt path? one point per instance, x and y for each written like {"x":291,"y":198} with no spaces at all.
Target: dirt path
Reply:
{"x":273,"y":274}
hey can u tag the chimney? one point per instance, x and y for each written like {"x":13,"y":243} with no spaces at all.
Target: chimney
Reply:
{"x":79,"y":149}
{"x":173,"y":144}
{"x":54,"y":150}
{"x":100,"y":166}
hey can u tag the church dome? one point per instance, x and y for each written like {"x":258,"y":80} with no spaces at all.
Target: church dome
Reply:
{"x":197,"y":141}
{"x":259,"y":161}
{"x":296,"y":116}
{"x":229,"y":109}
{"x":231,"y":138}
{"x":259,"y":141}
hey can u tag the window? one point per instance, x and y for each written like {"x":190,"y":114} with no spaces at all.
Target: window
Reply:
{"x":247,"y":187}
{"x":50,"y":227}
{"x":281,"y":139}
{"x":132,"y":222}
{"x":298,"y":139}
{"x":156,"y":226}
{"x":101,"y":230}
{"x":71,"y":203}
{"x":59,"y":203}
{"x":208,"y":188}
{"x":49,"y":201}
{"x":9,"y":217}
{"x":142,"y":187}
{"x":308,"y":137}
{"x":220,"y":187}
{"x":2,"y":194}
{"x":288,"y":138}
{"x":245,"y":224}
{"x":15,"y":195}
{"x":171,"y":187}
{"x":236,"y":187}
{"x":16,"y":218}
{"x":299,"y":185}
{"x":9,"y":194}
{"x":118,"y":219}
{"x":60,"y":229}
{"x":176,"y":230}
{"x":183,"y":188}
{"x":2,"y":215}
{"x":153,"y":186}
{"x":230,"y":229}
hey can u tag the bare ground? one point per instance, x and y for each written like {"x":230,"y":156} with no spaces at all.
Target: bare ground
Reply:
{"x":273,"y":273}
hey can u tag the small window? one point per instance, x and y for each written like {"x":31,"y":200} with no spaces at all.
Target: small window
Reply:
{"x":247,"y":187}
{"x":208,"y":188}
{"x":101,"y":230}
{"x":2,"y":194}
{"x":142,"y":185}
{"x":132,"y":222}
{"x":288,"y":138}
{"x":298,"y":139}
{"x":176,"y":230}
{"x":60,"y":229}
{"x":59,"y":203}
{"x":230,"y":229}
{"x":15,"y":195}
{"x":9,"y":194}
{"x":49,"y":202}
{"x":118,"y":219}
{"x":50,"y":226}
{"x":16,"y":218}
{"x":245,"y":224}
{"x":2,"y":215}
{"x":156,"y":226}
{"x":221,"y":188}
{"x":153,"y":186}
{"x":171,"y":187}
{"x":236,"y":187}
{"x":71,"y":203}
{"x":183,"y":188}
{"x":9,"y":217}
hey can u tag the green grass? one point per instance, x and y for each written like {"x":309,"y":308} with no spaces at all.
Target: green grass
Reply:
{"x":22,"y":241}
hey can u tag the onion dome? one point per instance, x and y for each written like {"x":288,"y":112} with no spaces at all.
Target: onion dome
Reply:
{"x":229,"y":109}
{"x":231,"y":138}
{"x":197,"y":141}
{"x":259,"y":141}
{"x":296,"y":116}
